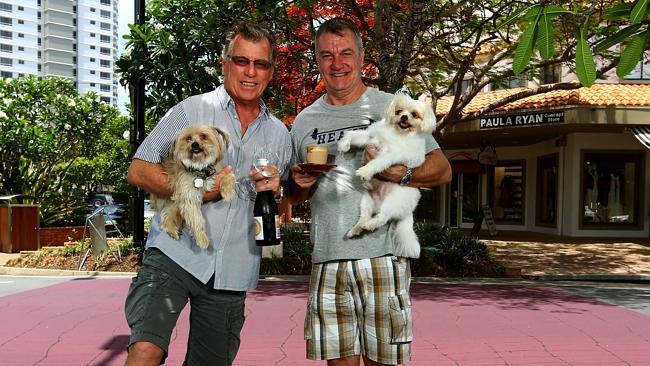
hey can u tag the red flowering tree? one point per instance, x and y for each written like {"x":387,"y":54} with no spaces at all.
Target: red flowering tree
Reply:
{"x":443,"y":48}
{"x":296,"y":71}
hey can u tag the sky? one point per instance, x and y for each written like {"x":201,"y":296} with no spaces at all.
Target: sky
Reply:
{"x":125,"y":17}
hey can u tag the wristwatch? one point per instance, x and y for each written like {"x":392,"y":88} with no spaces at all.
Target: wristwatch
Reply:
{"x":406,"y":179}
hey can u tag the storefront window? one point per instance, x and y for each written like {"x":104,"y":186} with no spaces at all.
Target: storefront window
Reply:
{"x":463,"y":194}
{"x":546,"y":205}
{"x":471,"y":199}
{"x":428,"y":209}
{"x":507,"y":187}
{"x":611,"y":188}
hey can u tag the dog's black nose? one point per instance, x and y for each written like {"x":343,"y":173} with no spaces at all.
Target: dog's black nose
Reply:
{"x":196,"y":147}
{"x":404,"y":118}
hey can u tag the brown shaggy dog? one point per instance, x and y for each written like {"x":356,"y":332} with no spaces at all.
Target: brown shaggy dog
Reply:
{"x":192,"y":168}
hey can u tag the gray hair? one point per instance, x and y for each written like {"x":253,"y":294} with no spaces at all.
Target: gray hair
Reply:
{"x":251,"y":32}
{"x":337,"y":26}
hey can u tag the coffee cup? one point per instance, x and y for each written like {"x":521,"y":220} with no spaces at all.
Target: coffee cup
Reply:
{"x":317,"y":154}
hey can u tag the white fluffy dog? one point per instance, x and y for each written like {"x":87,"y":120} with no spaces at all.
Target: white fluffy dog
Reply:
{"x":400,"y":139}
{"x":192,"y":168}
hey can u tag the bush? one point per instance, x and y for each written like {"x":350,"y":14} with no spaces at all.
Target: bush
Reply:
{"x":296,"y":243}
{"x":296,"y":252}
{"x":450,"y":247}
{"x":122,"y":245}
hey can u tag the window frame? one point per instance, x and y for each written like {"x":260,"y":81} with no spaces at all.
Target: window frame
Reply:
{"x":429,"y":207}
{"x":639,"y":210}
{"x":6,"y":61}
{"x":539,"y":194}
{"x":492,"y":191}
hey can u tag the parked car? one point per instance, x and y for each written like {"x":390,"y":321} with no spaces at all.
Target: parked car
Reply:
{"x":148,"y":211}
{"x":100,"y":199}
{"x":116,"y":214}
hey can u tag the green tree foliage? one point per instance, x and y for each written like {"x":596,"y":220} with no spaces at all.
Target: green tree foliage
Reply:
{"x":178,"y":50}
{"x":601,"y":27}
{"x":444,"y":48}
{"x":540,"y":33}
{"x":108,"y":165}
{"x":52,"y":144}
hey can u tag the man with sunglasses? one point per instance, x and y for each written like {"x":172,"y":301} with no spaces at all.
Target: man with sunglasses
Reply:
{"x":213,"y":280}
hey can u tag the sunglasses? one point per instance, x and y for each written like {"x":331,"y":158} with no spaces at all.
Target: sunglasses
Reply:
{"x":245,"y":61}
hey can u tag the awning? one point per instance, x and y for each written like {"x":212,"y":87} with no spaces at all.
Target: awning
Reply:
{"x":642,"y":133}
{"x":465,"y":166}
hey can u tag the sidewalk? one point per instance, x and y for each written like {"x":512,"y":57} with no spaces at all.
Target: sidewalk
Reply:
{"x":81,"y":322}
{"x":4,"y":257}
{"x":548,"y":257}
{"x":466,"y":322}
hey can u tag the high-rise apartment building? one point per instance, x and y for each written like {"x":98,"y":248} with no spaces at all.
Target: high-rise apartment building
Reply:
{"x":74,"y":39}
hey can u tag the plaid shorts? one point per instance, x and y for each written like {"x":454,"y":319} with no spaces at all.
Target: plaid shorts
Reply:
{"x":360,"y":307}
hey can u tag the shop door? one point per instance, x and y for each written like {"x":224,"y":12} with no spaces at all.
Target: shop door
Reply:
{"x":463,"y":199}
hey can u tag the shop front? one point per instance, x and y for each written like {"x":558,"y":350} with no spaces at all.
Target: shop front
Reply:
{"x":568,"y":163}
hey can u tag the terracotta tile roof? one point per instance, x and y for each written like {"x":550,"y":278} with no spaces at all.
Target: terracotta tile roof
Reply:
{"x":491,"y":48}
{"x":601,"y":95}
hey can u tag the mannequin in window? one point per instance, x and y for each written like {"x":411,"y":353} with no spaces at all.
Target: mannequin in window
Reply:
{"x":505,"y":194}
{"x":614,"y":196}
{"x":591,"y":185}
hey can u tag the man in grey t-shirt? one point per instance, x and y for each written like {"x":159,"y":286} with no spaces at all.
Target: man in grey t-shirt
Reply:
{"x":359,"y":303}
{"x":214,"y":280}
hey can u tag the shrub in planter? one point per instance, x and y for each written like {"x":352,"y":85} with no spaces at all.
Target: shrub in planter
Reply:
{"x":295,"y":241}
{"x":450,"y":247}
{"x":296,"y":251}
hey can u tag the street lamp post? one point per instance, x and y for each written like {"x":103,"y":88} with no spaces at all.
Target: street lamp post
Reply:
{"x":136,"y":199}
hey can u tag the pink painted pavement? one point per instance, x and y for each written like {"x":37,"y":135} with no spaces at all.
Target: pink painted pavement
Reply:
{"x":81,"y":322}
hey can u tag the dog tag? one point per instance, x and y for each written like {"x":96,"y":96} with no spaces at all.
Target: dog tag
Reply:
{"x":198,"y":183}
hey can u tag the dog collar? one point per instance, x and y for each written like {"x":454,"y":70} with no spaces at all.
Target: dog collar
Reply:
{"x":201,"y":175}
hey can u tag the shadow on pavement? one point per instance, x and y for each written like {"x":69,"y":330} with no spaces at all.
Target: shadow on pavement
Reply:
{"x":506,"y":297}
{"x":281,"y":288}
{"x":115,"y":347}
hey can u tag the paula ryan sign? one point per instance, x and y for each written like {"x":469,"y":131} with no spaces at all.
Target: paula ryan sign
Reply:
{"x":522,"y":120}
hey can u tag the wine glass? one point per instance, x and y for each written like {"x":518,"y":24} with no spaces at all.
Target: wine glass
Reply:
{"x":261,"y":159}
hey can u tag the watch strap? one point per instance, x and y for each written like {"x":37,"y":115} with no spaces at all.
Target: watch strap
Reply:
{"x":406,"y":179}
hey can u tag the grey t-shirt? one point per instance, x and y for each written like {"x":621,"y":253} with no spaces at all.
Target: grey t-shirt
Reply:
{"x":335,"y":201}
{"x":232,"y":256}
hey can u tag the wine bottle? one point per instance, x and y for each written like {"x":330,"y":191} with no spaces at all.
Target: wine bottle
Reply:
{"x":266,"y":222}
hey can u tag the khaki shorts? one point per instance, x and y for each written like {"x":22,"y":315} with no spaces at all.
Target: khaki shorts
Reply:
{"x":360,"y":307}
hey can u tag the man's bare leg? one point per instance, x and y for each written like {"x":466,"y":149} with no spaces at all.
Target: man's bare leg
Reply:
{"x":369,"y":362}
{"x":353,"y":361}
{"x":144,"y":354}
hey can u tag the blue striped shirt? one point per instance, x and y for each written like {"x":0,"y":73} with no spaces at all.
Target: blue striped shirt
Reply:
{"x":232,"y":256}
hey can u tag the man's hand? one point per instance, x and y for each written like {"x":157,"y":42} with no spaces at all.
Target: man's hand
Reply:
{"x":304,"y":179}
{"x":393,"y":174}
{"x":267,"y":179}
{"x":215,"y":192}
{"x":301,"y":184}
